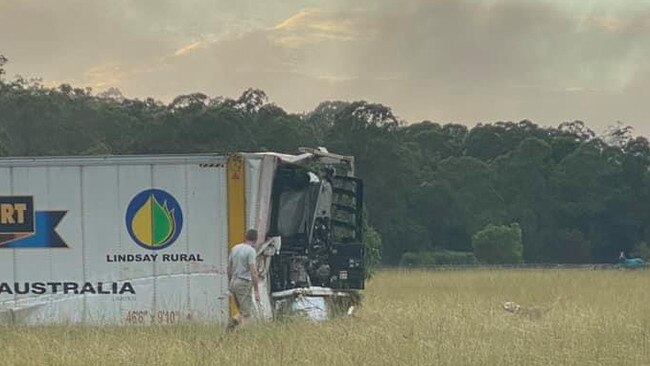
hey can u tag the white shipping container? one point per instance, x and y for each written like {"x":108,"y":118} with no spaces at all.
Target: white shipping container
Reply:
{"x":142,"y":239}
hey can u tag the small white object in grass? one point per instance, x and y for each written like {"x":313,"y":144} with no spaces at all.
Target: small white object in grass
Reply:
{"x":530,"y":312}
{"x":350,"y":310}
{"x":511,"y":307}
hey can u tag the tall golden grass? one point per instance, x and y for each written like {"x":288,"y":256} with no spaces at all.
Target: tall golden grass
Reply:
{"x":408,"y":318}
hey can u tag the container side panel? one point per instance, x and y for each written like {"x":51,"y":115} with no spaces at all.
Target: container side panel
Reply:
{"x":207,"y":232}
{"x":146,"y":257}
{"x":134,"y":179}
{"x":171,"y":290}
{"x":64,"y":195}
{"x":67,"y":264}
{"x":172,"y":179}
{"x":32,"y":264}
{"x":103,"y":222}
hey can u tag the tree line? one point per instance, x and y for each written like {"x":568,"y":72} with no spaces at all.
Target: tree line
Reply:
{"x":430,"y":187}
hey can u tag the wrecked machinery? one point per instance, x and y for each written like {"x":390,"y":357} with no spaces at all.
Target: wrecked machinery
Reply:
{"x":145,"y":239}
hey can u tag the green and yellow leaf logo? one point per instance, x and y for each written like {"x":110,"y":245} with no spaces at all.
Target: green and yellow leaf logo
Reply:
{"x":154,"y":219}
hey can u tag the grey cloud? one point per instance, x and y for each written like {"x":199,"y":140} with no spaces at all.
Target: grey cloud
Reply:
{"x":459,"y":61}
{"x":462,"y":61}
{"x":61,"y":39}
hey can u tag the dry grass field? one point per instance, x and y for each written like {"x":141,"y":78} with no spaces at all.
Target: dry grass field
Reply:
{"x":408,"y":318}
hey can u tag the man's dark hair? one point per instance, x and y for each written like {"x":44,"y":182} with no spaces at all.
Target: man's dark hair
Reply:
{"x":251,"y":235}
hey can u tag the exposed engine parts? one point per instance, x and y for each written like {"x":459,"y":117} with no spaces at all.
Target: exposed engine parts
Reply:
{"x":318,"y":215}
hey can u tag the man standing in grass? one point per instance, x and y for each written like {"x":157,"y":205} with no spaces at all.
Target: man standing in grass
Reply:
{"x":242,"y":276}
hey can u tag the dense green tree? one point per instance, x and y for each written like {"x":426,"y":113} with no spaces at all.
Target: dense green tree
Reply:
{"x":372,"y":248}
{"x":429,"y":187}
{"x":522,"y":181}
{"x":472,"y":183}
{"x":3,"y":61}
{"x":498,"y":244}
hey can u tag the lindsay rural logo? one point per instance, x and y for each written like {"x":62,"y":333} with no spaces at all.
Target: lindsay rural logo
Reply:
{"x":154,"y":219}
{"x":22,"y":227}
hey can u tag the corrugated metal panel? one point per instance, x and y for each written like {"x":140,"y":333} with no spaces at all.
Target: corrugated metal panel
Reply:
{"x":207,"y":227}
{"x":65,"y":264}
{"x":31,"y":265}
{"x":171,"y":290}
{"x":102,"y":228}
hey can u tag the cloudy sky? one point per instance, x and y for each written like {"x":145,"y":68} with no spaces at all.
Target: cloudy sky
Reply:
{"x":461,"y":61}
